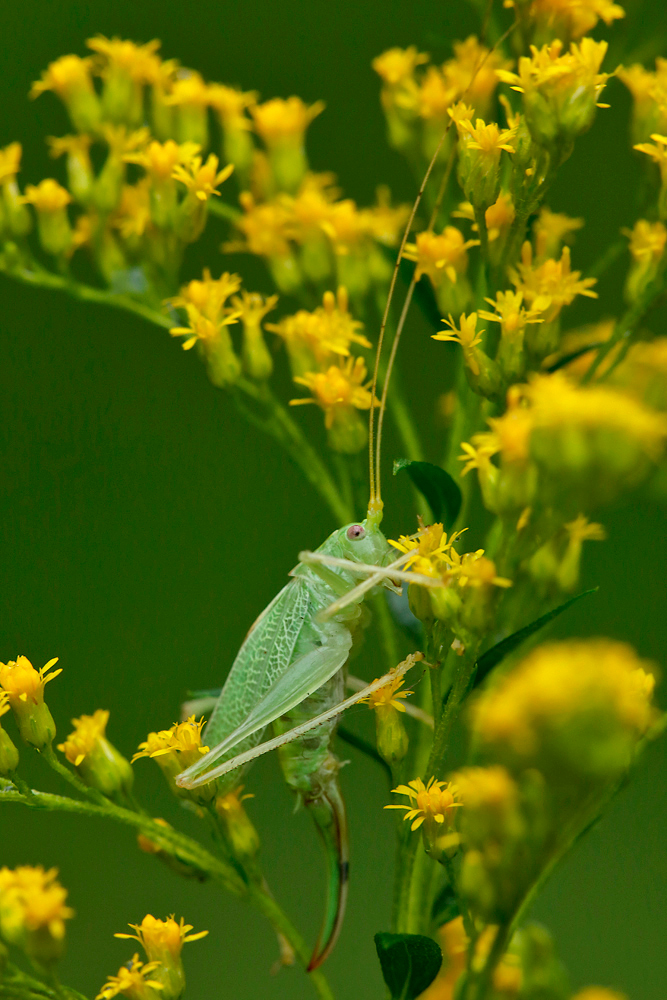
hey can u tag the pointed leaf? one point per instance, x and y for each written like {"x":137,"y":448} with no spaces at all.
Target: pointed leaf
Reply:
{"x":440,"y":490}
{"x":493,"y":656}
{"x":445,"y":906}
{"x":410,"y":963}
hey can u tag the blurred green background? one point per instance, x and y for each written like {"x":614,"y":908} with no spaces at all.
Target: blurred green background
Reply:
{"x":144,"y":525}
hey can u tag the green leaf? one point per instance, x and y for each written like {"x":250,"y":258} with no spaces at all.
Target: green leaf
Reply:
{"x":445,"y":906}
{"x":572,"y":356}
{"x":441,"y":491}
{"x":493,"y":656}
{"x":410,"y":963}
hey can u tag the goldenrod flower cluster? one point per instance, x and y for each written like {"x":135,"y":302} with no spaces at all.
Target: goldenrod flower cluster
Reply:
{"x":33,"y":912}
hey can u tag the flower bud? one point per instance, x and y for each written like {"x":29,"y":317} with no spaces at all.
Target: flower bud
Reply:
{"x":257,"y":361}
{"x":163,"y":941}
{"x":241,"y":833}
{"x":176,"y":749}
{"x":282,"y":126}
{"x":9,"y":755}
{"x":25,"y":689}
{"x":99,"y":764}
{"x":50,"y":199}
{"x":69,"y":77}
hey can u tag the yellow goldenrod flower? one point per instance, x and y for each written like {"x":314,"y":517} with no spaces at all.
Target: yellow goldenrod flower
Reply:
{"x":174,"y":750}
{"x":385,"y":222}
{"x":70,"y":78}
{"x":231,"y":105}
{"x":252,"y":308}
{"x":649,"y":92}
{"x":473,"y":569}
{"x":440,"y":256}
{"x":132,"y":216}
{"x":480,"y":149}
{"x":340,"y":386}
{"x":282,"y":125}
{"x":391,"y":737}
{"x":598,"y":993}
{"x":573,"y":18}
{"x":499,"y":216}
{"x":485,"y":788}
{"x":473,"y":72}
{"x":98,"y":762}
{"x":560,"y":90}
{"x":10,"y":162}
{"x":209,"y":295}
{"x":163,"y":941}
{"x":202,"y":179}
{"x":160,"y":158}
{"x":79,"y":167}
{"x":314,"y":338}
{"x":551,"y":282}
{"x":551,"y":230}
{"x":267,"y":228}
{"x":340,"y":392}
{"x":436,"y":95}
{"x":135,"y":980}
{"x":581,"y":529}
{"x":48,"y":196}
{"x":33,"y":912}
{"x":583,"y":705}
{"x":242,"y":835}
{"x":512,"y":314}
{"x":188,"y":96}
{"x":138,"y":61}
{"x":189,"y":87}
{"x":388,"y":696}
{"x":432,"y":805}
{"x":467,"y":335}
{"x":213,"y":337}
{"x":396,"y":65}
{"x":25,"y":689}
{"x":278,"y":120}
{"x":429,"y":550}
{"x":490,"y":139}
{"x":646,"y":241}
{"x":64,"y":75}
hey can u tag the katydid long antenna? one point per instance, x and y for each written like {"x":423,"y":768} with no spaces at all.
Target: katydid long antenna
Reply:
{"x":375,"y":441}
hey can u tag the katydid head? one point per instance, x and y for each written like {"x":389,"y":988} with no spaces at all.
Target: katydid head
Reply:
{"x":363,"y":542}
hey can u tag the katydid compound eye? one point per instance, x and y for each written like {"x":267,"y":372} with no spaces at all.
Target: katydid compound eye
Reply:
{"x":355,"y":532}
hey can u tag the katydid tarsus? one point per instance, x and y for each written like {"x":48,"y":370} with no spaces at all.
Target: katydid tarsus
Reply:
{"x":290,"y":671}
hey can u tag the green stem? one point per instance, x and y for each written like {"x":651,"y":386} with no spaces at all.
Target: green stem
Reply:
{"x":630,"y":320}
{"x":73,"y":779}
{"x":468,"y":923}
{"x":178,"y":844}
{"x":277,"y":422}
{"x":386,"y":629}
{"x":268,"y":906}
{"x":224,"y":211}
{"x":498,"y":949}
{"x":449,"y":715}
{"x":184,"y":848}
{"x":40,"y":277}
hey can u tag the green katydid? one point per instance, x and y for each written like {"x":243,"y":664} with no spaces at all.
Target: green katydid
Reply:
{"x":289,"y":672}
